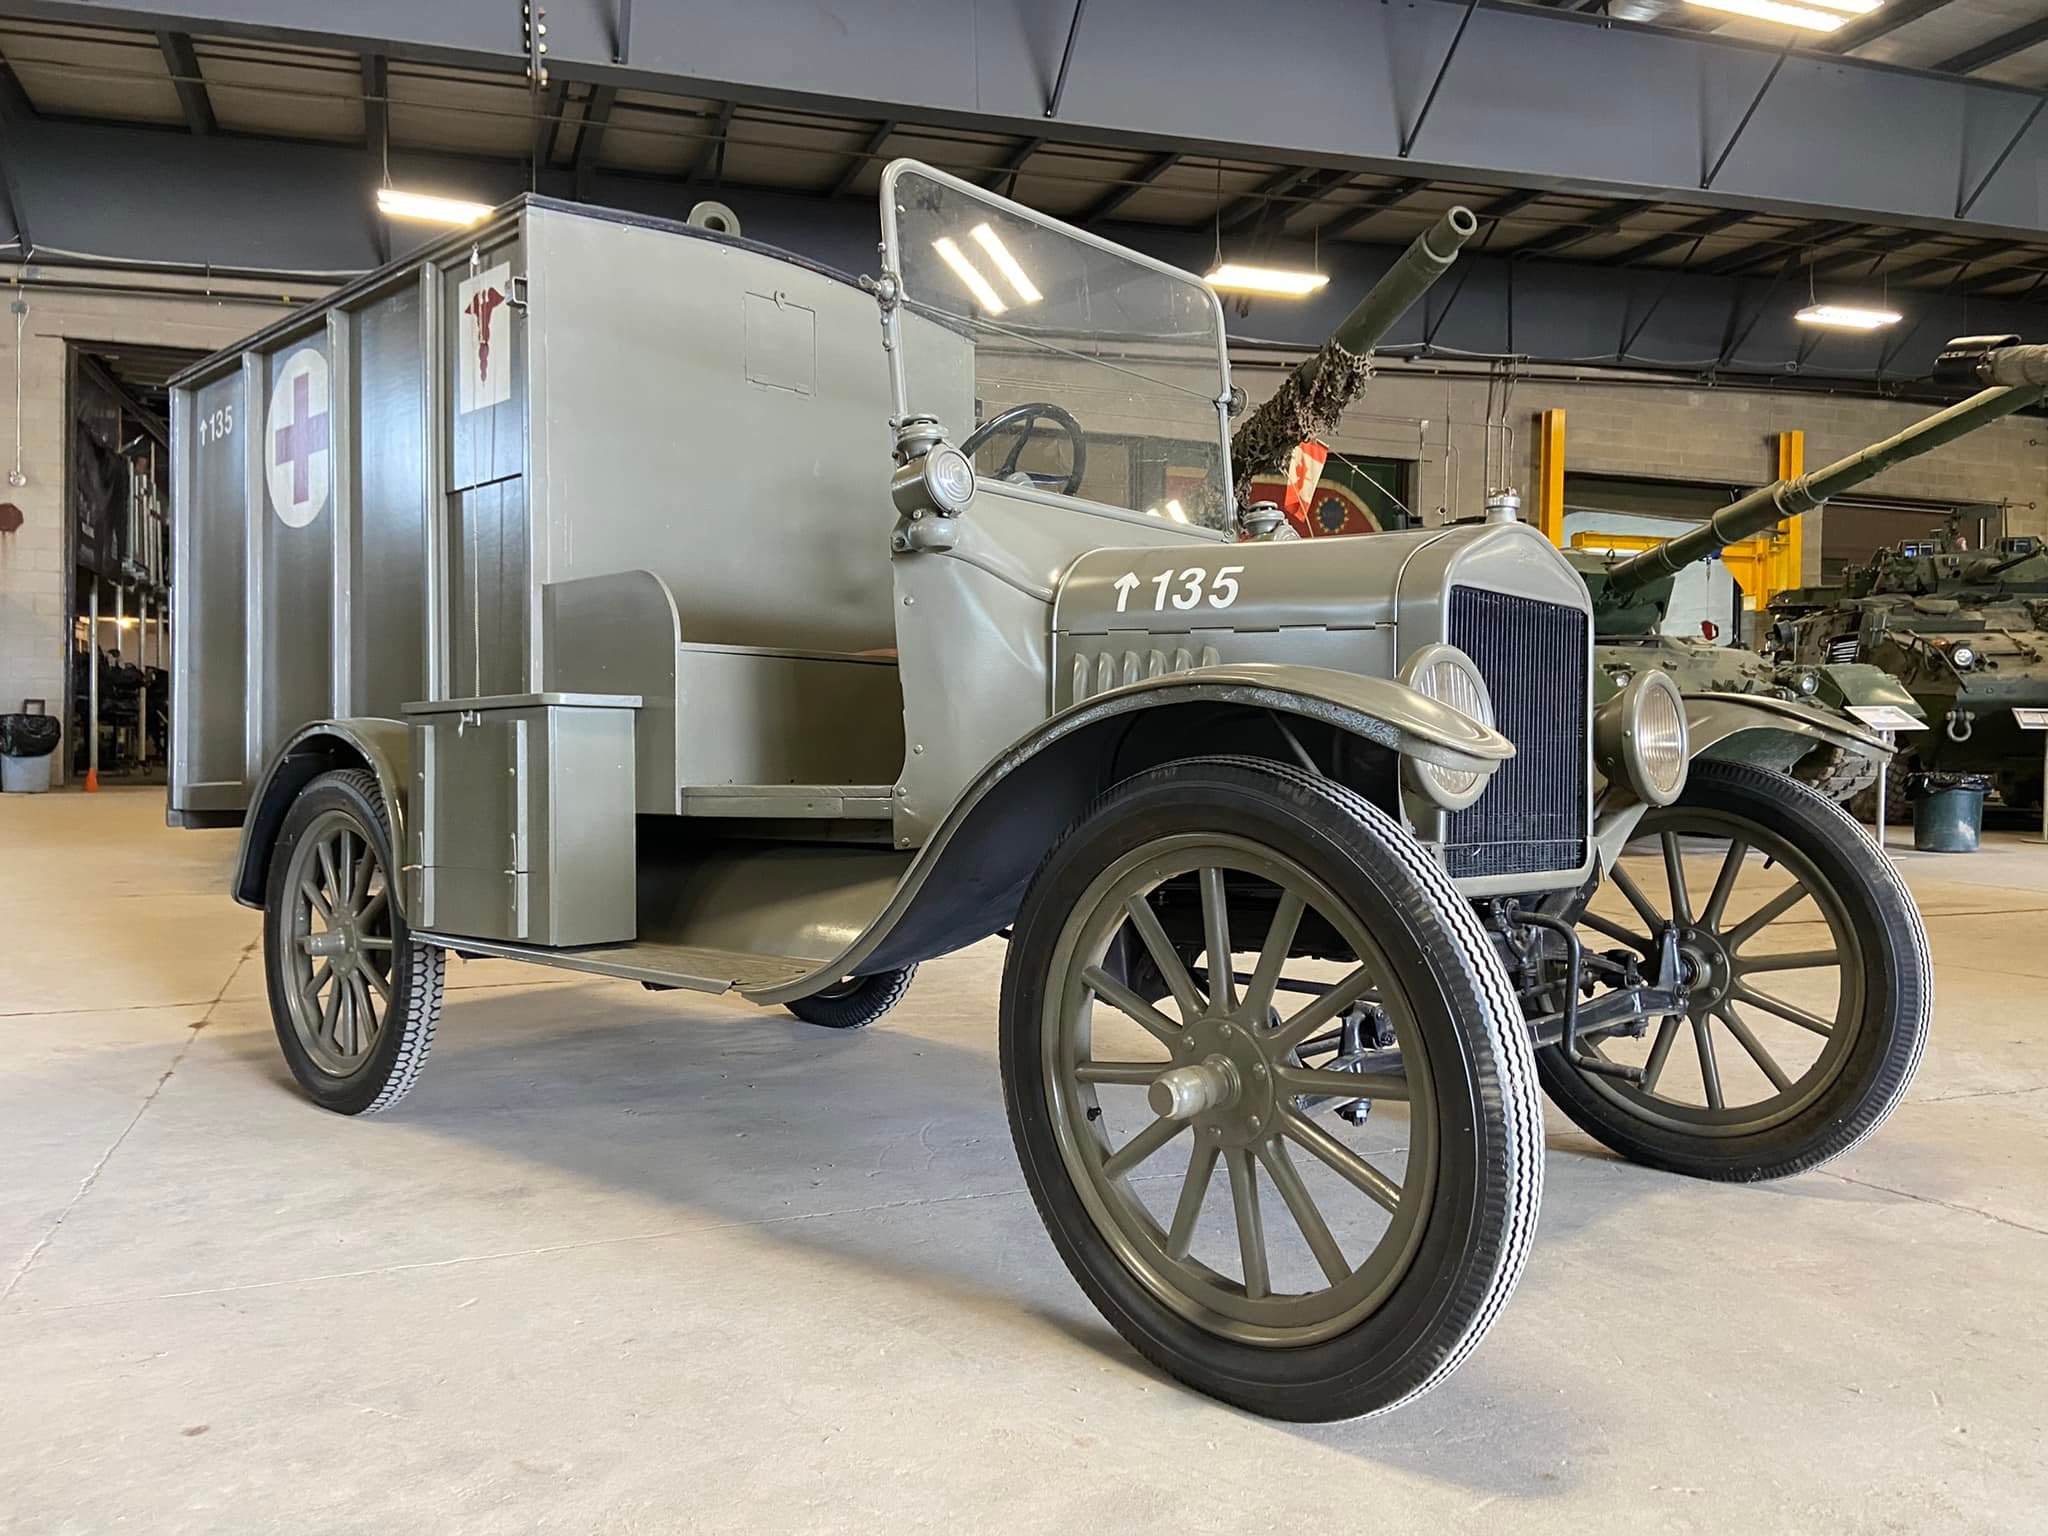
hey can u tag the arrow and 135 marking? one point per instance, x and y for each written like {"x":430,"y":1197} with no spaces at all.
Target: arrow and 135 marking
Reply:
{"x":1183,"y":590}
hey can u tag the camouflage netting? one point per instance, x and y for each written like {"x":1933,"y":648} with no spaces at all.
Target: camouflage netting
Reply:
{"x":1308,"y":404}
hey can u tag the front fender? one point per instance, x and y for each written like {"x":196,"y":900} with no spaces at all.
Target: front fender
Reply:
{"x":1390,"y":713}
{"x":383,"y":747}
{"x":967,"y":880}
{"x":1769,"y":732}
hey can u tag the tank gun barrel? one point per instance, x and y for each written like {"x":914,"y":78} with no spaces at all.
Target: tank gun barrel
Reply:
{"x":1771,"y":504}
{"x":1428,"y":257}
{"x":1312,"y":398}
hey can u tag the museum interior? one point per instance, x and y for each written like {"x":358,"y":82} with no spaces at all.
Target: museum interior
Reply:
{"x":1070,"y":725}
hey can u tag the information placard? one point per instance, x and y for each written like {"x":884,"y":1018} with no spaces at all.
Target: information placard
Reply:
{"x":1886,"y":717}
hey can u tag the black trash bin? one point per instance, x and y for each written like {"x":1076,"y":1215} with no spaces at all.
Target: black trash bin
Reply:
{"x":1948,"y":810}
{"x":26,"y":742}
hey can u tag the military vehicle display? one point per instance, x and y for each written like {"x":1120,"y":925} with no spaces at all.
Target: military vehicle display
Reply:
{"x":1310,"y":858}
{"x":1800,"y":722}
{"x":1819,"y":740}
{"x":1964,"y":634}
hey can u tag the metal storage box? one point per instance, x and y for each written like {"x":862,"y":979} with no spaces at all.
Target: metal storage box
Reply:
{"x":523,"y":821}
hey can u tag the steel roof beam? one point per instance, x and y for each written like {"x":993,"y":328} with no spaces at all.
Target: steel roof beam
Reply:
{"x":186,"y":79}
{"x":712,"y":155}
{"x":858,"y":161}
{"x":1379,"y":202}
{"x":1835,"y":137}
{"x":1107,"y":204}
{"x":1768,"y":250}
{"x":1872,"y":25}
{"x":15,"y":114}
{"x":1696,"y":231}
{"x":1006,"y":173}
{"x":1992,"y":49}
{"x":597,"y":113}
{"x":1255,"y":202}
{"x":1607,"y":221}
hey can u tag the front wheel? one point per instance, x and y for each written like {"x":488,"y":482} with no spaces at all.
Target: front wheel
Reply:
{"x":1809,"y":994}
{"x":1304,"y":1184}
{"x":354,"y":999}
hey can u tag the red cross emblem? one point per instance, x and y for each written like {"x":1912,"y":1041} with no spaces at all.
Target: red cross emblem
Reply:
{"x":300,"y":438}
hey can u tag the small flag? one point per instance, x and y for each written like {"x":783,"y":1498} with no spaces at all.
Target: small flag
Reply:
{"x":1304,"y":472}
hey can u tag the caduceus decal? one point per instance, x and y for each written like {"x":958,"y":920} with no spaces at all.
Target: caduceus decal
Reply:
{"x":481,"y":306}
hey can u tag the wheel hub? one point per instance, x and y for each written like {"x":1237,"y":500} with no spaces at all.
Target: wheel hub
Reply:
{"x":1710,"y":973}
{"x":1222,"y":1081}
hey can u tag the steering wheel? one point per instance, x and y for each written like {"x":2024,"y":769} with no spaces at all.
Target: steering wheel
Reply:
{"x":1026,"y":416}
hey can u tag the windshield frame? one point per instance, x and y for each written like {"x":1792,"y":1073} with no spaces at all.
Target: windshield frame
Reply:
{"x":893,"y":302}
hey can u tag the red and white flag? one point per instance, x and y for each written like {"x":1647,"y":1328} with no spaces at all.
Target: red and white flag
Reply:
{"x":1304,"y":473}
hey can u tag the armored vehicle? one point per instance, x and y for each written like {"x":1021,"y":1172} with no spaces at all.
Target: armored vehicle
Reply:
{"x":549,"y":595}
{"x":1966,"y":634}
{"x":1799,"y":720}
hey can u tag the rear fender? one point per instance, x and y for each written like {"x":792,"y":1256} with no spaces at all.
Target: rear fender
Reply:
{"x":383,"y":747}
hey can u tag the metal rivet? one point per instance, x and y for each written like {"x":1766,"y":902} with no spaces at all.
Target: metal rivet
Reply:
{"x":1253,"y":1123}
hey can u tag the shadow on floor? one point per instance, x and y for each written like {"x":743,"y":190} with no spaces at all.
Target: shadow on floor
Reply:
{"x":751,"y":1117}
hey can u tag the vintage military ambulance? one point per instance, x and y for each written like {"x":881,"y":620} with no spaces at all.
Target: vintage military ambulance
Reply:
{"x":619,"y":595}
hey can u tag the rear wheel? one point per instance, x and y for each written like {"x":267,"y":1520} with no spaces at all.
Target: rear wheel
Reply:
{"x":856,"y":1002}
{"x":1184,"y":1153}
{"x":354,"y":999}
{"x":1811,"y":994}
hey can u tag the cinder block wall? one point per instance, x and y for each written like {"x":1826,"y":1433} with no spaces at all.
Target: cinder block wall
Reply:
{"x":1660,"y":431}
{"x":64,"y":306}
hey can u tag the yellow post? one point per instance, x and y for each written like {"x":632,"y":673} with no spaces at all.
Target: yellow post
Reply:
{"x":1790,"y":563}
{"x":1550,"y":476}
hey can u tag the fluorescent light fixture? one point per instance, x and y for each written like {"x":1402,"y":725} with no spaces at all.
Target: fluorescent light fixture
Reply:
{"x":970,"y":274}
{"x":1810,"y":18}
{"x":1237,"y":277}
{"x":395,"y":204}
{"x":1006,"y":264}
{"x":1847,"y":317}
{"x":1176,"y":511}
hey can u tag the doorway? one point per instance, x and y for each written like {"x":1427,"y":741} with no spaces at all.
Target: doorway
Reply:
{"x":118,"y":496}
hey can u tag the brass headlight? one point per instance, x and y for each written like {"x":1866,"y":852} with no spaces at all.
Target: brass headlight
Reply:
{"x":1640,"y":737}
{"x":1446,"y":674}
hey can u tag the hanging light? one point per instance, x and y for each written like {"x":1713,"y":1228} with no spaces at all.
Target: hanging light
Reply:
{"x":395,"y":203}
{"x":1847,"y":317}
{"x":1808,"y":15}
{"x":1286,"y":282}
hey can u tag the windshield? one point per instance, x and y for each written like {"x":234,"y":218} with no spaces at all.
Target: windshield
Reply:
{"x":1058,"y":361}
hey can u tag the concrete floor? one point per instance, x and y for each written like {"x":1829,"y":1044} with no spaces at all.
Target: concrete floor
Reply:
{"x":634,"y":1261}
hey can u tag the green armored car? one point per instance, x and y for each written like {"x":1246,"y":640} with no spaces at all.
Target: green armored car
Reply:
{"x":616,"y":595}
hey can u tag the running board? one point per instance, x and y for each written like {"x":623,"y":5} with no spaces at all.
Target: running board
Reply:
{"x":654,"y":965}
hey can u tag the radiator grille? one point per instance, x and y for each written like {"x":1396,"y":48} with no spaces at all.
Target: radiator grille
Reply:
{"x":1533,"y":655}
{"x":1842,"y":650}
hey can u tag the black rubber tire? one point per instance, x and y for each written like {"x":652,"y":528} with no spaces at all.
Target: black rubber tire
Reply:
{"x":1490,"y":1180}
{"x":1898,"y":1000}
{"x":416,"y":973}
{"x":1898,"y":810}
{"x":858,"y":1003}
{"x":1839,"y":774}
